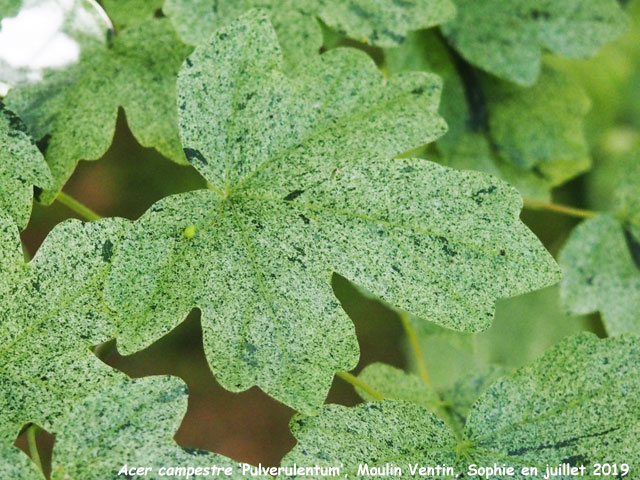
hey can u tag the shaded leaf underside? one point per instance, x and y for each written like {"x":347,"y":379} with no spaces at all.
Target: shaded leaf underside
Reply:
{"x":487,"y":130}
{"x":550,"y":137}
{"x":451,"y":403}
{"x":394,"y":384}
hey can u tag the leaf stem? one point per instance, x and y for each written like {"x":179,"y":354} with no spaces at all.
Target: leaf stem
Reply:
{"x":356,"y":382}
{"x":74,"y":205}
{"x":32,"y":431}
{"x":557,"y":208}
{"x":415,"y":346}
{"x":25,"y":251}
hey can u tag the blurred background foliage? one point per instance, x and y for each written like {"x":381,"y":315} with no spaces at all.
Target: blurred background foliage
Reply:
{"x":252,"y":427}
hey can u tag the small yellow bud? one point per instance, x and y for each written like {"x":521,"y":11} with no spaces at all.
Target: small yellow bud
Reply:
{"x":190,"y":232}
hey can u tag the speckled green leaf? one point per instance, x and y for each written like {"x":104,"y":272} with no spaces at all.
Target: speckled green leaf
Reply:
{"x":384,"y":23}
{"x":75,"y":110}
{"x":578,"y":404}
{"x":425,"y":51}
{"x":298,"y":33}
{"x":371,"y":433}
{"x":452,"y":404}
{"x":15,"y":465}
{"x":131,"y":422}
{"x":125,"y":13}
{"x":127,"y":422}
{"x":507,"y":37}
{"x":600,"y":273}
{"x":22,"y":167}
{"x":524,"y":328}
{"x":302,"y":185}
{"x":601,"y":259}
{"x":51,"y":313}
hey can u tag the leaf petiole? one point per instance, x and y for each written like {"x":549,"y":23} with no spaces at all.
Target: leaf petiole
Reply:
{"x":73,"y":204}
{"x":415,"y":346}
{"x":356,"y":382}
{"x":32,"y":432}
{"x":557,"y":208}
{"x":79,"y":208}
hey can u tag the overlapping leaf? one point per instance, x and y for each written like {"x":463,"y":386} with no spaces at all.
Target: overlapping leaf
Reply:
{"x":473,"y":151}
{"x":51,"y":313}
{"x":550,"y":136}
{"x":302,"y":185}
{"x":128,"y":422}
{"x":452,"y":403}
{"x":577,"y":404}
{"x":394,"y":384}
{"x":463,"y":394}
{"x":299,"y":34}
{"x":384,"y":23}
{"x":602,"y":272}
{"x":75,"y":110}
{"x":601,"y":259}
{"x":132,"y":422}
{"x":22,"y":167}
{"x":488,"y":132}
{"x":374,"y":434}
{"x":507,"y":37}
{"x":16,"y":465}
{"x":379,"y":22}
